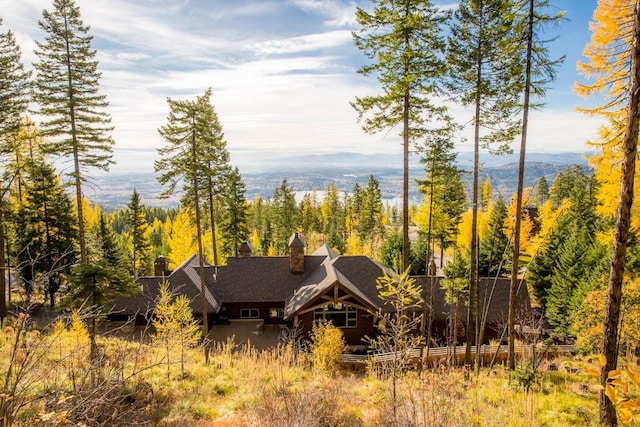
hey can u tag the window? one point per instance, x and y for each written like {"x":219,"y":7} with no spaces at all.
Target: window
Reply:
{"x":341,"y":316}
{"x":249,"y":313}
{"x":276,"y":312}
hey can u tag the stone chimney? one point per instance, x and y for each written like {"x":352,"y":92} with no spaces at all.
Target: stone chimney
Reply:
{"x":296,"y":253}
{"x":245,"y":249}
{"x":161,"y":266}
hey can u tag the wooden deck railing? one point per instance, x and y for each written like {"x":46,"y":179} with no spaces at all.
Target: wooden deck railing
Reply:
{"x":439,"y":353}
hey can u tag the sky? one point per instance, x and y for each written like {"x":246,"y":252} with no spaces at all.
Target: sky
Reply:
{"x":283,"y":73}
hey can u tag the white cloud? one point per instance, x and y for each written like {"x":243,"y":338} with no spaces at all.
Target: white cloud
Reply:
{"x":306,"y":43}
{"x":337,"y":13}
{"x":282,"y":73}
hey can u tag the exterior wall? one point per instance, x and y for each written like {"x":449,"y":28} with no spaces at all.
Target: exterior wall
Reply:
{"x":234,"y":311}
{"x":353,"y":336}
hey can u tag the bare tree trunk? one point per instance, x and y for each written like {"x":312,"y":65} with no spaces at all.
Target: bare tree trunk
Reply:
{"x":3,"y":286}
{"x":472,"y":314}
{"x":516,"y":236}
{"x":623,"y":220}
{"x":196,"y":203}
{"x":405,"y":185}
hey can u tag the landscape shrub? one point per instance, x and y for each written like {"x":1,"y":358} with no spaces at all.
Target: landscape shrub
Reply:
{"x":327,"y":344}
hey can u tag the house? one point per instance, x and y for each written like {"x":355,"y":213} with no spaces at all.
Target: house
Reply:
{"x":283,"y":291}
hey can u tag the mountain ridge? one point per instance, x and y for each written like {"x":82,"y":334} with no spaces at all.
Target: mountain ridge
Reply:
{"x":306,"y":172}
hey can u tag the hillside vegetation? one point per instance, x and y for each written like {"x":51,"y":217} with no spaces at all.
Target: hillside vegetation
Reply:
{"x":137,"y":382}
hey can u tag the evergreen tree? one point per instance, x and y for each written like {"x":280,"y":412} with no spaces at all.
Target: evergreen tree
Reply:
{"x":445,"y":198}
{"x":542,"y":266}
{"x":14,"y":88}
{"x":285,"y":217}
{"x":570,"y":269}
{"x":102,"y":278}
{"x":138,"y":230}
{"x":493,"y":254}
{"x":391,"y":251}
{"x":67,"y":93}
{"x":193,"y":153}
{"x":404,"y":39}
{"x":332,"y":210}
{"x":370,"y":213}
{"x":486,"y":75}
{"x":539,"y":71}
{"x":541,"y":191}
{"x":234,"y":217}
{"x":14,"y":91}
{"x":45,"y":231}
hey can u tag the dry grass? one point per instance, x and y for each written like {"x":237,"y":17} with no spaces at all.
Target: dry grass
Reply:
{"x":51,"y":379}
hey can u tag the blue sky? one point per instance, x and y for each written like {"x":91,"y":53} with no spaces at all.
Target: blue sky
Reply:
{"x":282,"y":72}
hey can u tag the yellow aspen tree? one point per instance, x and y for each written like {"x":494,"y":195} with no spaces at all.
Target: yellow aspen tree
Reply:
{"x":526,"y":224}
{"x":548,"y":217}
{"x":181,"y":242}
{"x":613,"y":69}
{"x":255,"y":242}
{"x":91,"y":213}
{"x":353,"y":245}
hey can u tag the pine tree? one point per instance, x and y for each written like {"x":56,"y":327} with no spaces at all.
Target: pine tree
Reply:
{"x":494,"y":244}
{"x":138,"y":230}
{"x":14,"y":91}
{"x":370,"y":213}
{"x":487,"y":75}
{"x":445,"y":198}
{"x":234,"y":217}
{"x":103,"y":277}
{"x":391,"y":251}
{"x":67,"y":93}
{"x":541,"y":190}
{"x":539,"y":71}
{"x":284,"y":217}
{"x":570,"y":269}
{"x":45,"y":230}
{"x":14,"y":88}
{"x":405,"y":41}
{"x":192,"y":154}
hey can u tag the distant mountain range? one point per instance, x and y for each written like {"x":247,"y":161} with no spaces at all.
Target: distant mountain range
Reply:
{"x":306,"y":172}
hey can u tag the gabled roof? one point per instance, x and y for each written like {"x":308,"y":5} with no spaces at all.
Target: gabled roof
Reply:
{"x":249,"y":279}
{"x":184,"y":280}
{"x":356,"y":275}
{"x":258,"y":279}
{"x":494,"y":289}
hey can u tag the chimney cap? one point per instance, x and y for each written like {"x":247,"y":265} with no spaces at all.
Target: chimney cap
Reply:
{"x":245,"y":249}
{"x":296,"y":241}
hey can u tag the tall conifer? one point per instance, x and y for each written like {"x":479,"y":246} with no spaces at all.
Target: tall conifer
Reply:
{"x":75,"y":123}
{"x":405,"y":42}
{"x":14,"y":88}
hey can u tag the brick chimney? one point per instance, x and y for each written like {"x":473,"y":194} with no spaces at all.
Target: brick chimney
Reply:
{"x":245,"y":249}
{"x":296,"y":253}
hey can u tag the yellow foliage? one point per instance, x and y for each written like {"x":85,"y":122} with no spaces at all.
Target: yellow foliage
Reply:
{"x":353,"y":245}
{"x":588,"y":320}
{"x":526,"y":224}
{"x":621,"y":388}
{"x":609,"y":54}
{"x":548,"y":217}
{"x":181,"y":241}
{"x":255,"y":242}
{"x":272,"y":251}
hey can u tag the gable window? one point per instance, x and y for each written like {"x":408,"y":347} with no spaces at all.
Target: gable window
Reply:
{"x":340,"y":316}
{"x":276,"y":312}
{"x":249,"y":313}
